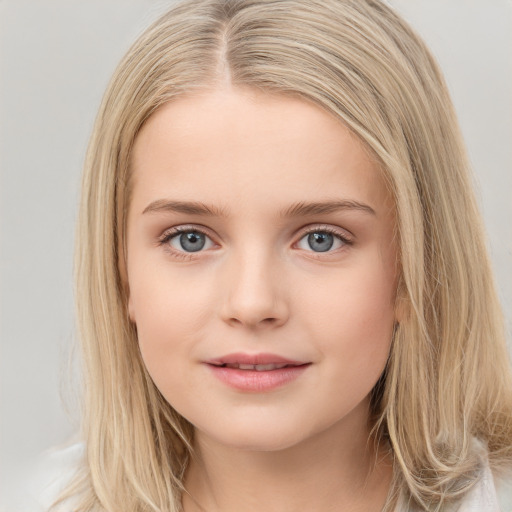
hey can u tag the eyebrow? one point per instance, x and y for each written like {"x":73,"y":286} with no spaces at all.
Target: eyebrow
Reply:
{"x":300,"y":209}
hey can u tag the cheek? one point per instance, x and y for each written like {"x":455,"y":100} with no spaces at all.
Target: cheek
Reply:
{"x":360,"y":297}
{"x":352,"y":316}
{"x":164,"y":298}
{"x":170,"y":313}
{"x":346,"y":316}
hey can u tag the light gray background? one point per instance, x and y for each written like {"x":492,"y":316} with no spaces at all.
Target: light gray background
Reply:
{"x":56,"y":59}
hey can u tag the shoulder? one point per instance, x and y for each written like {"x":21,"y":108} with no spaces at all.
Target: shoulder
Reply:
{"x":504,"y":492}
{"x":54,"y":472}
{"x":492,"y":493}
{"x":483,"y":497}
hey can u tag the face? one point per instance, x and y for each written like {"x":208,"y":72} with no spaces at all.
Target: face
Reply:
{"x":261,"y":267}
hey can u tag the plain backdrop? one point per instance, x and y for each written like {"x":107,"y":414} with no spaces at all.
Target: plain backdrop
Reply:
{"x":56,"y":59}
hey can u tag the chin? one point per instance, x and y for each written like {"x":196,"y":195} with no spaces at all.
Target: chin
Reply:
{"x":256,"y":436}
{"x":259,"y":443}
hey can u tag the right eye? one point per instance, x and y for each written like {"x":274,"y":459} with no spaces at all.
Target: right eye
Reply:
{"x":187,"y":240}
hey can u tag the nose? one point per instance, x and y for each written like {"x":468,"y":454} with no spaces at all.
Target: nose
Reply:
{"x":254,"y":295}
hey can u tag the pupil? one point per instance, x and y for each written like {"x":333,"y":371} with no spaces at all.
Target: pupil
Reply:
{"x":320,"y":242}
{"x":192,"y":241}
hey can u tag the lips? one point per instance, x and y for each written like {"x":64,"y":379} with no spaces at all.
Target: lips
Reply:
{"x":256,"y":372}
{"x":253,"y":360}
{"x":257,"y":367}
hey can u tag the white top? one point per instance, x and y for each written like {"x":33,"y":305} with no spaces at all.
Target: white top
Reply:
{"x":58,"y":465}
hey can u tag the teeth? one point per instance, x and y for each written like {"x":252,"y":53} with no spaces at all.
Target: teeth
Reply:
{"x":246,"y":366}
{"x":265,"y":367}
{"x":257,"y":367}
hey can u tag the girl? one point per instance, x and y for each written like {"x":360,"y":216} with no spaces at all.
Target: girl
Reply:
{"x":284,"y":296}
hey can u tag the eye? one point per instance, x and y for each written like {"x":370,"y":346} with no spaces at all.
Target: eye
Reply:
{"x":187,"y":240}
{"x":322,"y":240}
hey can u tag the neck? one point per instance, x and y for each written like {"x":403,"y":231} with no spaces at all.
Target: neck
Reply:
{"x":336,"y":469}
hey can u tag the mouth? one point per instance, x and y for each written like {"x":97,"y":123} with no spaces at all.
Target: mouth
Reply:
{"x":256,"y":373}
{"x":256,"y":367}
{"x":261,"y":362}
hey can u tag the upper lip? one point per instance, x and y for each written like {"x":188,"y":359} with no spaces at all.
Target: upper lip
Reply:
{"x":254,"y":359}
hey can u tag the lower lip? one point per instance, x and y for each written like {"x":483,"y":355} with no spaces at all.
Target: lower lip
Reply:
{"x":252,"y":380}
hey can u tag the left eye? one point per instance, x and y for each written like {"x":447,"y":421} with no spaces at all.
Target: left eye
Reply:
{"x":321,"y":241}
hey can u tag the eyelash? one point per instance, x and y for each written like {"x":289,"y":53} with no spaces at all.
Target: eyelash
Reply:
{"x":169,"y":235}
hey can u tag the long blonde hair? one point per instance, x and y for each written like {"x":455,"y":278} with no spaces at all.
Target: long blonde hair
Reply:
{"x":448,"y":378}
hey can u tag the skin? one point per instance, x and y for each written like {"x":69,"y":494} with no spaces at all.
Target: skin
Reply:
{"x":259,"y":286}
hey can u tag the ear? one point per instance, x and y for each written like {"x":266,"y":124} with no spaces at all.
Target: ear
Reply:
{"x":402,"y":303}
{"x":401,"y":309}
{"x":131,"y":310}
{"x":125,"y":286}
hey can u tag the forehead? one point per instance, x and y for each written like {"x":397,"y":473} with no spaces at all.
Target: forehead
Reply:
{"x":238,"y":145}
